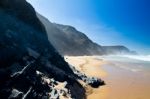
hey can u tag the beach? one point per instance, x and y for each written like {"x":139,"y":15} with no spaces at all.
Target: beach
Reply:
{"x":121,"y":83}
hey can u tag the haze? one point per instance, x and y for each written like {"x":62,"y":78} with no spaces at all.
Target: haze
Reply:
{"x":107,"y":22}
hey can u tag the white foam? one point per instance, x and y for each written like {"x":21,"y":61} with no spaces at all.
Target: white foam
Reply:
{"x":139,"y":57}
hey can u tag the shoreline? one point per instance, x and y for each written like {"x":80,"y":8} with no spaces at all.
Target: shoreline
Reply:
{"x":91,"y":66}
{"x":87,"y":65}
{"x":120,"y":83}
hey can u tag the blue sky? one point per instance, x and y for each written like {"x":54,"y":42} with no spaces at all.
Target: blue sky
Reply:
{"x":107,"y":22}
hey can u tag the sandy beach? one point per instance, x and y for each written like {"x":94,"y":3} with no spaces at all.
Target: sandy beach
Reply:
{"x":120,"y":83}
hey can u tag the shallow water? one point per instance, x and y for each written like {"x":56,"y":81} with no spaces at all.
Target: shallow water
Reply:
{"x":127,"y":78}
{"x":132,"y":64}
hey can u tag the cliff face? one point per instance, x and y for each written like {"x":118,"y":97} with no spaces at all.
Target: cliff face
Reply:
{"x":23,"y":11}
{"x":30,"y":67}
{"x":117,"y":50}
{"x":20,"y":32}
{"x":68,"y":41}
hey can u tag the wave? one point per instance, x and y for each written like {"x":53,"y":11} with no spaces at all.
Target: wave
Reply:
{"x":138,"y":57}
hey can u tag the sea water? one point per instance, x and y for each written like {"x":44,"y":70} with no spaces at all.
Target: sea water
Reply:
{"x":134,"y":63}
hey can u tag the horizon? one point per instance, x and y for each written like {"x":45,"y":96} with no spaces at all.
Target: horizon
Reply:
{"x":106,"y":23}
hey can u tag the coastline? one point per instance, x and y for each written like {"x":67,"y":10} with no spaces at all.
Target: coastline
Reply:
{"x":120,"y":83}
{"x":90,"y":66}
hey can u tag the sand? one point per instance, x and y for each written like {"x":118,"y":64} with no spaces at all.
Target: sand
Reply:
{"x":120,"y":83}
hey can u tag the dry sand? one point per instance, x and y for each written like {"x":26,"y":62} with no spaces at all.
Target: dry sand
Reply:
{"x":120,"y":83}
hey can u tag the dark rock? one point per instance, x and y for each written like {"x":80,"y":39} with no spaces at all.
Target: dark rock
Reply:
{"x":24,"y":50}
{"x":23,"y":11}
{"x":4,"y":76}
{"x":76,"y":88}
{"x":15,"y":94}
{"x":95,"y":82}
{"x":92,"y":81}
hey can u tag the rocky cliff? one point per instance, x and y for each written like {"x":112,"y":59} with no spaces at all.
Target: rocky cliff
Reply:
{"x":119,"y":49}
{"x":30,"y":67}
{"x":69,"y":41}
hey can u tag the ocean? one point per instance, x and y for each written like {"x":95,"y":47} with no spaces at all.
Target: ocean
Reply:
{"x":128,"y":76}
{"x":134,"y":63}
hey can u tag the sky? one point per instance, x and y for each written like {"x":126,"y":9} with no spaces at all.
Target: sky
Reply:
{"x":106,"y":22}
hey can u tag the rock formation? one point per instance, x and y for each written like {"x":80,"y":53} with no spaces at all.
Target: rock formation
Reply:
{"x":69,"y":41}
{"x":30,"y":67}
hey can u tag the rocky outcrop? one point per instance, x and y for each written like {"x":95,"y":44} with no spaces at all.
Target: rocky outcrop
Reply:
{"x":92,"y":81}
{"x":30,"y":67}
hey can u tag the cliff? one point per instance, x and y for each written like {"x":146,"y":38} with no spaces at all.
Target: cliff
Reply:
{"x":69,"y":41}
{"x":119,"y":49}
{"x":30,"y":67}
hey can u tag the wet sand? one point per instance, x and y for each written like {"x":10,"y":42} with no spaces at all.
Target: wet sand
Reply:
{"x":120,"y":83}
